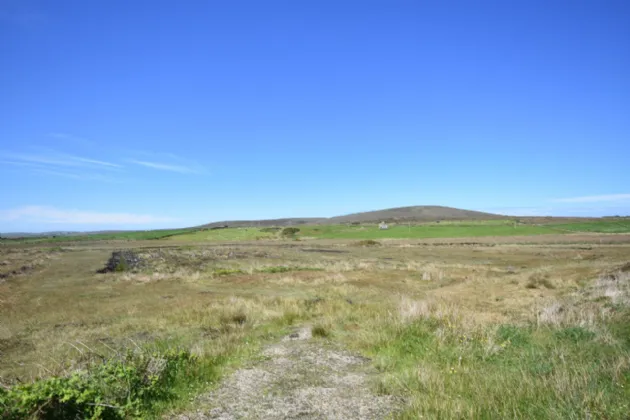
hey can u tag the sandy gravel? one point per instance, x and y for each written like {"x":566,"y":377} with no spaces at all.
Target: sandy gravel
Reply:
{"x":299,"y":378}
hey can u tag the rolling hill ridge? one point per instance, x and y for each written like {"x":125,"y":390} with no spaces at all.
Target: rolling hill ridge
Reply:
{"x":401,"y":214}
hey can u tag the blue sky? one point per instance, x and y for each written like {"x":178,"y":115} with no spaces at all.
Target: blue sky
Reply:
{"x":137,"y":114}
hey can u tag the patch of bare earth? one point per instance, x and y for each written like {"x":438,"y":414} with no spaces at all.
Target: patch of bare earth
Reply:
{"x":299,"y":378}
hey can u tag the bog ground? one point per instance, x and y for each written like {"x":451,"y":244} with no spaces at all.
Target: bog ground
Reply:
{"x":336,"y":322}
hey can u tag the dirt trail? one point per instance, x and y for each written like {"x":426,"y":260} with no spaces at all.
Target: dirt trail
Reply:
{"x":299,"y":378}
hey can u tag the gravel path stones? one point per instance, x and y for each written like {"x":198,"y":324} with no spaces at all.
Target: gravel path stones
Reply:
{"x":300,"y":378}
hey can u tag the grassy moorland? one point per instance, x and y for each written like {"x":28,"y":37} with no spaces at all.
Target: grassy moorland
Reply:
{"x":620,"y":225}
{"x":231,"y":234}
{"x":446,"y":229}
{"x":123,"y":235}
{"x":443,"y":229}
{"x":457,"y":331}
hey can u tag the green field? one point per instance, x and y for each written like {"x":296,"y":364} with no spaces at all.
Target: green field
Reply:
{"x":514,"y":330}
{"x":449,"y":229}
{"x":421,"y":231}
{"x":445,"y":229}
{"x":235,"y":234}
{"x":129,"y":235}
{"x":599,"y":226}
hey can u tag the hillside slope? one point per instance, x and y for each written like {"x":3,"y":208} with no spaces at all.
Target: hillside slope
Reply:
{"x":267,"y":222}
{"x":413,"y":213}
{"x":416,"y":214}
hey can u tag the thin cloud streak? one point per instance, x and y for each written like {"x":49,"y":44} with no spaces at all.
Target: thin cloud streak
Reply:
{"x":58,"y":159}
{"x":167,"y":167}
{"x":97,"y":162}
{"x":79,"y":177}
{"x":593,"y":198}
{"x":47,"y":214}
{"x":52,"y":170}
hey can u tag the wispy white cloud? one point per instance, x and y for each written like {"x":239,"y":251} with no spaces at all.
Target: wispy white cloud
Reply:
{"x":90,"y":176}
{"x":59,"y":159}
{"x":594,"y":198}
{"x":192,"y":169}
{"x":62,"y":171}
{"x":96,"y":162}
{"x":53,"y":215}
{"x":83,"y":167}
{"x":63,"y":165}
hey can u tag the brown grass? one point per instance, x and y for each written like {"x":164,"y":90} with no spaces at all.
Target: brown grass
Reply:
{"x":51,"y":313}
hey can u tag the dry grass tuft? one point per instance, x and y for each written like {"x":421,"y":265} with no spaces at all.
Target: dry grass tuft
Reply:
{"x":430,"y":316}
{"x":539,"y":279}
{"x":320,"y":330}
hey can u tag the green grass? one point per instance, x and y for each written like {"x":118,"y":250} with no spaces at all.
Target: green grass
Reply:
{"x":447,"y":229}
{"x":285,"y":269}
{"x":599,"y":226}
{"x":444,"y":229}
{"x":471,"y":346}
{"x":506,"y":372}
{"x":450,"y":230}
{"x":231,"y":234}
{"x":131,"y":235}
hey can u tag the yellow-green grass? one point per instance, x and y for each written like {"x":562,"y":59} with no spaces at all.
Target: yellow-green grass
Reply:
{"x":621,"y":225}
{"x":426,"y":230}
{"x":446,"y":229}
{"x":456,"y":332}
{"x":420,"y":231}
{"x":124,"y":235}
{"x":230,"y":234}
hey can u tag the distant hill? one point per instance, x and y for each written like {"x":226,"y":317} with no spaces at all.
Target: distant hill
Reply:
{"x":402,"y":214}
{"x":30,"y":234}
{"x":267,"y":222}
{"x":414,"y":214}
{"x":398,"y":214}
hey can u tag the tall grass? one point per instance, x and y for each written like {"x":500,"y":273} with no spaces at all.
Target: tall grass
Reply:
{"x":456,"y":333}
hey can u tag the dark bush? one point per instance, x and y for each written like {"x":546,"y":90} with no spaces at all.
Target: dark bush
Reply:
{"x":368,"y":242}
{"x":116,"y":389}
{"x":320,"y":331}
{"x":290,"y":231}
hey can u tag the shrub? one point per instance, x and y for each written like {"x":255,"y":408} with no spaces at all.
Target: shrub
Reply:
{"x":538,"y":280}
{"x":117,"y":389}
{"x":575,"y":334}
{"x":276,"y":269}
{"x":517,"y":336}
{"x":121,"y":266}
{"x":286,"y":268}
{"x":239,"y":318}
{"x":368,"y":242}
{"x":227,"y":271}
{"x":320,"y":331}
{"x":290,"y":231}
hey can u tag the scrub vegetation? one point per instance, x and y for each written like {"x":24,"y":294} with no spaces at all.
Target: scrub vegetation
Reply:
{"x":518,"y":327}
